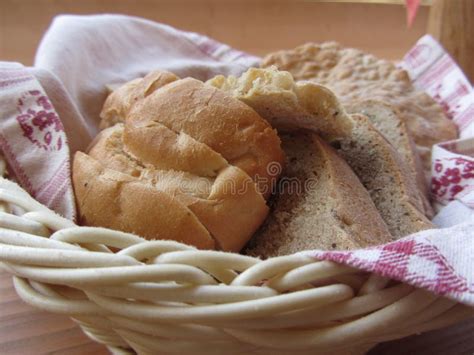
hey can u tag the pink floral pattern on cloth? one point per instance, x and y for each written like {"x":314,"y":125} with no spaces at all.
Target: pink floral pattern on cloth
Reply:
{"x":452,"y":176}
{"x":33,"y":141}
{"x":39,"y":121}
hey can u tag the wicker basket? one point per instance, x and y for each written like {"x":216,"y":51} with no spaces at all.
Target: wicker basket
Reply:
{"x":155,"y":297}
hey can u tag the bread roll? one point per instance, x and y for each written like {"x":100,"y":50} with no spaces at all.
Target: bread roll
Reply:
{"x":111,"y":199}
{"x":120,"y":101}
{"x":212,"y":117}
{"x":228,"y":205}
{"x":172,"y":142}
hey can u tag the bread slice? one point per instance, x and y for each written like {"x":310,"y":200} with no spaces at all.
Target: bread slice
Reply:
{"x":387,"y":120}
{"x":387,"y":178}
{"x":321,"y":204}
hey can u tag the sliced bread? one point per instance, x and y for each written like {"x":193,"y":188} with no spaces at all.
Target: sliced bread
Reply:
{"x":387,"y":119}
{"x":385,"y":175}
{"x":321,"y":204}
{"x":371,"y":156}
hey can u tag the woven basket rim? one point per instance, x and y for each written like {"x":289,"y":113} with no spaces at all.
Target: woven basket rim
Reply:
{"x":147,"y":292}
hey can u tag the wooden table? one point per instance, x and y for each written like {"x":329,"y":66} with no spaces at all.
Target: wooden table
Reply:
{"x":256,"y":27}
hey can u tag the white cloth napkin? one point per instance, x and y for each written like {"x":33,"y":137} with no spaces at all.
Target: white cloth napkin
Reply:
{"x":86,"y":53}
{"x":80,"y":55}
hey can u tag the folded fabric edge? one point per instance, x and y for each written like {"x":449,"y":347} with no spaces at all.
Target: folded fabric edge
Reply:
{"x":418,"y":260}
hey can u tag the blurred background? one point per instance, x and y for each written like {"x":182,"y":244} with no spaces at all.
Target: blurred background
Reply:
{"x":257,"y":27}
{"x":263,"y":26}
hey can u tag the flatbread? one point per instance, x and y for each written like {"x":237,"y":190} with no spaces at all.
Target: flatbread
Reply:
{"x":354,"y":75}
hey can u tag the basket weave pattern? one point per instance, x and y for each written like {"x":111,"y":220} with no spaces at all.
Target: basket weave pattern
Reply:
{"x":150,"y":297}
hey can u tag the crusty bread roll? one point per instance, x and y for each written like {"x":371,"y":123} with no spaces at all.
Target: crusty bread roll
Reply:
{"x":228,"y":205}
{"x":199,"y":150}
{"x":121,"y":100}
{"x":111,"y":199}
{"x":207,"y":115}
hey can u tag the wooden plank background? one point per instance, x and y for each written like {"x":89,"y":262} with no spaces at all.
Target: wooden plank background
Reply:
{"x":257,"y":27}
